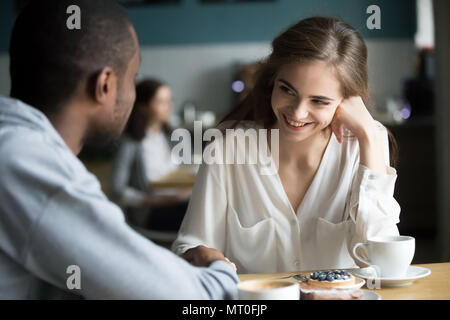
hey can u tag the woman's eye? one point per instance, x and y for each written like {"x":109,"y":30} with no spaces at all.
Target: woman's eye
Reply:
{"x":287,"y":90}
{"x":320,"y":102}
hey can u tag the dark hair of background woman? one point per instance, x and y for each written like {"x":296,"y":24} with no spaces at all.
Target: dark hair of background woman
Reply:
{"x":140,"y":116}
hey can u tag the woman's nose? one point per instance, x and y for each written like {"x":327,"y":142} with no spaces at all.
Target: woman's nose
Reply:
{"x":301,"y":111}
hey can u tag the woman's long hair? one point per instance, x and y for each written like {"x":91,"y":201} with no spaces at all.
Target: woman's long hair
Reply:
{"x":330,"y":40}
{"x":140,"y":116}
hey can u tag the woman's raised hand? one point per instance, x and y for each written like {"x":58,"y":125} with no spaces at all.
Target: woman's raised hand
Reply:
{"x":353,"y":115}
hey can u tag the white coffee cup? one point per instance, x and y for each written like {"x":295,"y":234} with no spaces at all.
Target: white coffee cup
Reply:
{"x":269,"y":290}
{"x":390,"y":255}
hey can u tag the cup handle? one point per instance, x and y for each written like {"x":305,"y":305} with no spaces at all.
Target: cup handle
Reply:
{"x":360,"y":244}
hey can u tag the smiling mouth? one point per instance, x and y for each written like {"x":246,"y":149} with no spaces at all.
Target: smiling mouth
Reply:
{"x":294,"y":124}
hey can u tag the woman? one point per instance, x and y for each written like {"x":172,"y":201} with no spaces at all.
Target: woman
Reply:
{"x":145,"y":156}
{"x":331,"y":190}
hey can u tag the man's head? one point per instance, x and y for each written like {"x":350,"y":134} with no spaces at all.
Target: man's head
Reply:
{"x":94,"y":67}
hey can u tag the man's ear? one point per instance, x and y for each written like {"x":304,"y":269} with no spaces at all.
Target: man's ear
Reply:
{"x":105,"y":86}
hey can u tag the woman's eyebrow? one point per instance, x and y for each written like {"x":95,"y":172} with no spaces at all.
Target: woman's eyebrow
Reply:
{"x":321,"y":98}
{"x":312,"y":97}
{"x":289,"y":85}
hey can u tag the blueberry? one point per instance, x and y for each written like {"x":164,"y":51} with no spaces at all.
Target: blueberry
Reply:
{"x":314,"y":275}
{"x":322,"y":277}
{"x":338,"y":277}
{"x":346,"y":273}
{"x":337,"y":271}
{"x":330,"y":277}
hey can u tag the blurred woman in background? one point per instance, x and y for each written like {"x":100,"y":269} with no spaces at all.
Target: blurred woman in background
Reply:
{"x":144,"y":156}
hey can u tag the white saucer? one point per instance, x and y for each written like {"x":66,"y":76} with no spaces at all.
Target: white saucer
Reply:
{"x":370,"y":295}
{"x":412,"y":274}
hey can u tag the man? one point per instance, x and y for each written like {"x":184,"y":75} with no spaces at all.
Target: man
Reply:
{"x":60,"y":237}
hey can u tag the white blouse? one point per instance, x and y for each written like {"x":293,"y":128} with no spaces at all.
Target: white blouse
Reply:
{"x":249,"y":218}
{"x":157,"y":156}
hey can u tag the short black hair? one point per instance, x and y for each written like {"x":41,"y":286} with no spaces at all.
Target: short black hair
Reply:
{"x":48,"y":60}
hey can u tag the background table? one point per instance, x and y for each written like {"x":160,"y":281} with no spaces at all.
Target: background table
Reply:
{"x":182,"y":178}
{"x":434,"y":287}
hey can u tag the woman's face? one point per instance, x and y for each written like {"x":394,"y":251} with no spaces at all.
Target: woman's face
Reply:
{"x":304,"y":99}
{"x":161,"y":105}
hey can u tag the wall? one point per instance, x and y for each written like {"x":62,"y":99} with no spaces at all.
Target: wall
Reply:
{"x":442,"y":86}
{"x":195,"y":47}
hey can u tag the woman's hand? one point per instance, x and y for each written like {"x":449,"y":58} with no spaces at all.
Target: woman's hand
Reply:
{"x":202,"y":256}
{"x":353,"y":115}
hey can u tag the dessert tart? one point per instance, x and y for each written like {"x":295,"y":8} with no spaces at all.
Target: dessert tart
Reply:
{"x":331,"y":279}
{"x":330,"y":285}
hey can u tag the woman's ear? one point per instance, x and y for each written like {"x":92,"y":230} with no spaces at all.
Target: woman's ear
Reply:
{"x":105,"y":86}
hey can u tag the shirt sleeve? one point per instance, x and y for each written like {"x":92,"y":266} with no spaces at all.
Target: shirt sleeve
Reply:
{"x":372,"y":206}
{"x":205,"y":219}
{"x":120,"y":188}
{"x":70,"y":222}
{"x":115,"y":262}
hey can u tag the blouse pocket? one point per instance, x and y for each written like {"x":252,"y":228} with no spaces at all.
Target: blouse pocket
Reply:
{"x":253,"y":248}
{"x":332,"y":244}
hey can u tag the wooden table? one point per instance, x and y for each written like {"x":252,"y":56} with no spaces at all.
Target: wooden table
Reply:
{"x":434,"y":287}
{"x":182,"y":178}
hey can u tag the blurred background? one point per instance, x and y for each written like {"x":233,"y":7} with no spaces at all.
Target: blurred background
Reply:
{"x":204,"y":49}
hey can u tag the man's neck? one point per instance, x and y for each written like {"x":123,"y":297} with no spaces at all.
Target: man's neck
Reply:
{"x":71,"y":127}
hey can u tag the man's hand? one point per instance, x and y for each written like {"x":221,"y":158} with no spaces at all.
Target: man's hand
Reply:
{"x":202,"y":256}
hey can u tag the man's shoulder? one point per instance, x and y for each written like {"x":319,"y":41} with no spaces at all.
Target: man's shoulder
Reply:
{"x":25,"y":142}
{"x":35,"y":161}
{"x":33,"y":151}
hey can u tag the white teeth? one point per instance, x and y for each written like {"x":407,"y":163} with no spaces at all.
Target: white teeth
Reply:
{"x":296,"y":124}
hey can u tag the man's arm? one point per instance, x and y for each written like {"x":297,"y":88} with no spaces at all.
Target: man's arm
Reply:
{"x":65,"y":220}
{"x":115,"y":261}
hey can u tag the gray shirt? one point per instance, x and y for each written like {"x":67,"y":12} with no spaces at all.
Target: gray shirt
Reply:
{"x":53,"y":215}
